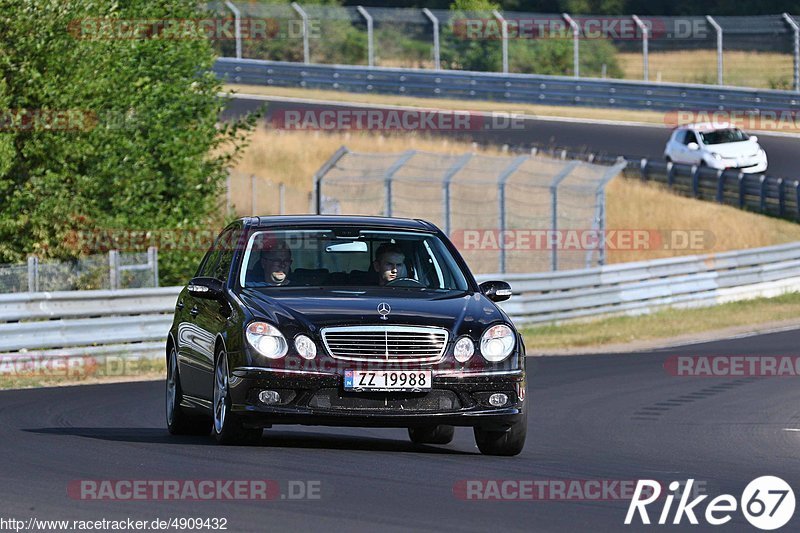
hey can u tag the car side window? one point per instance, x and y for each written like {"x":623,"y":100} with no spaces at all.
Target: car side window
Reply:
{"x":690,"y":138}
{"x":680,"y":136}
{"x":217,"y":263}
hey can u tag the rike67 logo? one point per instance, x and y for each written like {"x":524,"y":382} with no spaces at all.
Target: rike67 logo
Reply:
{"x":767,"y":503}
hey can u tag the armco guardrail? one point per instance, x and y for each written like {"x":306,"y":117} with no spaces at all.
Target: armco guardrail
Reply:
{"x":757,"y":192}
{"x":134,"y":322}
{"x":526,"y":88}
{"x":642,"y":287}
{"x":123,"y":322}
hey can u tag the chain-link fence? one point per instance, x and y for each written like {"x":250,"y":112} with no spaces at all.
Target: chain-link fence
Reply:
{"x":116,"y":270}
{"x":250,"y":194}
{"x":505,"y":214}
{"x":755,"y":51}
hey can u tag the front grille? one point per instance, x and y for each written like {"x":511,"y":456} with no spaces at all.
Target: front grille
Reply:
{"x":385,"y":343}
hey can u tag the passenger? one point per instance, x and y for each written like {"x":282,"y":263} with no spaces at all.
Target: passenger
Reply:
{"x":389,"y":263}
{"x":275,"y":261}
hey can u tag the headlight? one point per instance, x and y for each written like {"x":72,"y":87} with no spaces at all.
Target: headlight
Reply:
{"x":497,"y":343}
{"x":267,"y":340}
{"x":464,"y":349}
{"x":305,"y":347}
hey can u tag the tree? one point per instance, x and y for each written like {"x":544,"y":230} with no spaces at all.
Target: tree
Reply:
{"x":138,"y":147}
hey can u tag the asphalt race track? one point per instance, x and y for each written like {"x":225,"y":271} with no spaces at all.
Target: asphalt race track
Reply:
{"x":613,"y":139}
{"x":601,"y":417}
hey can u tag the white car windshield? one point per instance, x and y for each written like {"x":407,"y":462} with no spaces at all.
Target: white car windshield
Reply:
{"x":730,"y":135}
{"x":352,"y":257}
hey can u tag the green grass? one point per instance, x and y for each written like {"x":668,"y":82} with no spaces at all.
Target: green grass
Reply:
{"x":665,"y":324}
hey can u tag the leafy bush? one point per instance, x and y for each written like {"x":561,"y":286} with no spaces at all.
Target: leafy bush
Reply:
{"x":143,"y":151}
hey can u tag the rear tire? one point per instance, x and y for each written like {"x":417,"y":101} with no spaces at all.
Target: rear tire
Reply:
{"x":178,"y":421}
{"x":227,"y":426}
{"x":506,"y":443}
{"x":439,"y":434}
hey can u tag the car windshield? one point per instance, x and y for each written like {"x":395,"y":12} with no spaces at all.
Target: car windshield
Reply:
{"x":352,"y":257}
{"x":730,"y":135}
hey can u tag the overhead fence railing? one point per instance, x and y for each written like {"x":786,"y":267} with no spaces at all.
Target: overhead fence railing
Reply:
{"x":477,"y":200}
{"x":720,"y":48}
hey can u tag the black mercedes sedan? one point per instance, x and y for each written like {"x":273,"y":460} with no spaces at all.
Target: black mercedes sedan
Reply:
{"x":344,"y":321}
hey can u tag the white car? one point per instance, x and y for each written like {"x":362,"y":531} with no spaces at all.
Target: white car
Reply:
{"x":717,"y":146}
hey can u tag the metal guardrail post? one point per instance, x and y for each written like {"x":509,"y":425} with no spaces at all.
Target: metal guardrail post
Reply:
{"x":152,"y":259}
{"x":781,"y":198}
{"x":718,"y":29}
{"x":370,"y":40}
{"x":501,"y":194}
{"x":720,"y":186}
{"x":33,"y":273}
{"x":436,"y":48}
{"x":643,"y":168}
{"x":387,"y":178}
{"x":670,"y":173}
{"x":741,"y":190}
{"x":237,"y":24}
{"x":303,"y":15}
{"x":320,"y":174}
{"x":446,"y":179}
{"x":554,"y":210}
{"x":504,"y":35}
{"x":576,"y":36}
{"x":645,"y":50}
{"x":796,"y":49}
{"x":797,"y":199}
{"x":113,"y":269}
{"x":695,"y":180}
{"x":762,"y":193}
{"x":600,"y":199}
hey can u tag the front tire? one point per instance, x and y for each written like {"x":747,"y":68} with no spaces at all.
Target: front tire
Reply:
{"x":505,"y":443}
{"x":438,"y":434}
{"x":178,"y":421}
{"x":227,"y":426}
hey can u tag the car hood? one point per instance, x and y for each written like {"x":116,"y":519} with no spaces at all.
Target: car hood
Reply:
{"x":738,"y":149}
{"x":458,"y":311}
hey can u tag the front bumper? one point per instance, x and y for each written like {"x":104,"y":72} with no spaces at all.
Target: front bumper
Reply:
{"x":753,"y":166}
{"x":318,"y":398}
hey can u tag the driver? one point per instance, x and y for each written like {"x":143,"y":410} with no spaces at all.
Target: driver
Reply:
{"x":389,"y":263}
{"x":275,"y":261}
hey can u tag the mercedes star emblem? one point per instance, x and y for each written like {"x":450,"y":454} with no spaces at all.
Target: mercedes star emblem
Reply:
{"x":384,"y":309}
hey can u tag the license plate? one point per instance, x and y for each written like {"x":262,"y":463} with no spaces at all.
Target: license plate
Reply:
{"x":387,"y":380}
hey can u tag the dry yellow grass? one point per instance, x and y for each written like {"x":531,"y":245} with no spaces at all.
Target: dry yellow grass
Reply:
{"x":292,"y":158}
{"x":746,"y":69}
{"x":635,"y":205}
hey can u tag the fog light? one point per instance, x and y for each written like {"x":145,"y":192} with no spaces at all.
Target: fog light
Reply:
{"x":269,"y":396}
{"x":498,"y":399}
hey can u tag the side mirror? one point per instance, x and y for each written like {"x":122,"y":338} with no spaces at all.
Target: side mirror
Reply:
{"x":496,"y":291}
{"x":754,"y":138}
{"x":206,"y":288}
{"x":693,"y":146}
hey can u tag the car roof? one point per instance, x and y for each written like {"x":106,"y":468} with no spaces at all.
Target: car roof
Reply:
{"x":340,"y":220}
{"x":708,"y":126}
